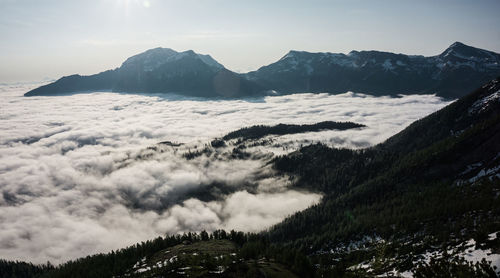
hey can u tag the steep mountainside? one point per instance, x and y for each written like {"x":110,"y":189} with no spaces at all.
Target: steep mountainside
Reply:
{"x":454,"y":73}
{"x":160,"y":70}
{"x":434,"y":186}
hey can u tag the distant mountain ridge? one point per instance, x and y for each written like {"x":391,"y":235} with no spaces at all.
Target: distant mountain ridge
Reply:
{"x":451,"y":74}
{"x":455,"y":72}
{"x":159,"y":70}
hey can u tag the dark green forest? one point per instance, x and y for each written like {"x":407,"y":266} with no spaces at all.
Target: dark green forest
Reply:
{"x":410,"y":189}
{"x":259,"y":131}
{"x":236,"y":253}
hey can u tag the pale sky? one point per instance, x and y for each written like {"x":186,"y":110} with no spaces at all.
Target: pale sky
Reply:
{"x":49,"y":39}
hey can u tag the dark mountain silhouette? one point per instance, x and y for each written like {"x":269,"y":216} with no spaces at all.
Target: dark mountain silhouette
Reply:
{"x":160,"y":70}
{"x":452,"y":74}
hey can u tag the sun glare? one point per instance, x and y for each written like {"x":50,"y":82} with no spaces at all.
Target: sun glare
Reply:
{"x":128,"y":5}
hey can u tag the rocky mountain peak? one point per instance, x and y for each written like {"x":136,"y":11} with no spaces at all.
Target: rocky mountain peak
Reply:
{"x":461,"y":51}
{"x":156,"y":57}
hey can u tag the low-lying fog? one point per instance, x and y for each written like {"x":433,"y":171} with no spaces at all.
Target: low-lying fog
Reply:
{"x":75,"y":178}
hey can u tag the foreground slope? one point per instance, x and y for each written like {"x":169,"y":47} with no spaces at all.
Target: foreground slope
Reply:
{"x":446,"y":148}
{"x":436,"y":182}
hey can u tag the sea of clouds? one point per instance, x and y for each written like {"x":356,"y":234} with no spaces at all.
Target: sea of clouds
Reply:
{"x":74,"y":179}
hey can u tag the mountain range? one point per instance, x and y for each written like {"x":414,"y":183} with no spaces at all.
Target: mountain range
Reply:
{"x":159,"y":70}
{"x":451,"y":74}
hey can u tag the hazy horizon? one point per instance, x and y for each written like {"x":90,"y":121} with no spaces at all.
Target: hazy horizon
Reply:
{"x":51,"y":39}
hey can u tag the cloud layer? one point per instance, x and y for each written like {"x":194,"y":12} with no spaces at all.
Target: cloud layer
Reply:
{"x":77,"y":177}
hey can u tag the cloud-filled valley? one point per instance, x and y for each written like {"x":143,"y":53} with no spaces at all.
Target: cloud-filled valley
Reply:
{"x":78,"y":174}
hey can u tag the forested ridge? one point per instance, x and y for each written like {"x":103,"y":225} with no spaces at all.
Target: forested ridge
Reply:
{"x":259,"y":131}
{"x":400,"y":178}
{"x":417,"y":188}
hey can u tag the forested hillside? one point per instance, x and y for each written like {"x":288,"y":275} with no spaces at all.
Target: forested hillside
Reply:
{"x":436,"y":183}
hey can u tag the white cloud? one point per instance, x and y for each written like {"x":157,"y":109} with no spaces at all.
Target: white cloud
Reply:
{"x":72,"y":183}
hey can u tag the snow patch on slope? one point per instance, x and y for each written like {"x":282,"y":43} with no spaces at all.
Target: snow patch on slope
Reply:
{"x":474,"y":255}
{"x":491,"y":173}
{"x":484,"y":103}
{"x":207,"y":59}
{"x":387,"y":65}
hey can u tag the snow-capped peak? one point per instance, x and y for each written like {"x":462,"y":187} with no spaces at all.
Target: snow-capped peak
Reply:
{"x":457,"y":45}
{"x":207,"y":59}
{"x":465,"y":52}
{"x":156,"y":57}
{"x":293,"y":54}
